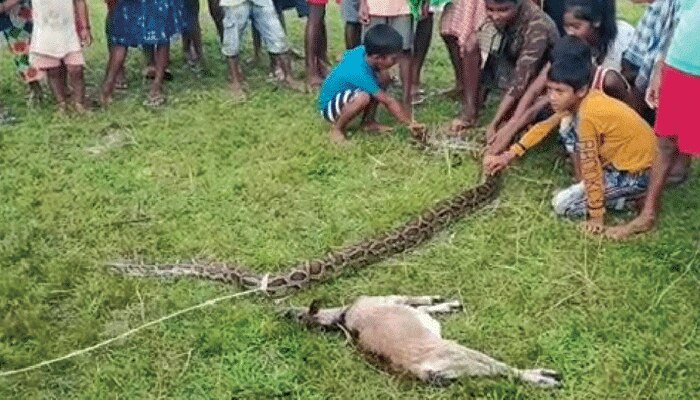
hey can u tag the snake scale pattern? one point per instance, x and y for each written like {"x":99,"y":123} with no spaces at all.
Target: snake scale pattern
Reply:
{"x":363,"y":254}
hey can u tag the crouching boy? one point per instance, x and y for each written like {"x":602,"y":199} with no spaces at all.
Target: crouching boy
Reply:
{"x":357,"y":85}
{"x":613,"y":145}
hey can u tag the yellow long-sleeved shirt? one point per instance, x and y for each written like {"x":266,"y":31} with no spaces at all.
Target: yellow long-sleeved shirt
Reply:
{"x":610,"y":133}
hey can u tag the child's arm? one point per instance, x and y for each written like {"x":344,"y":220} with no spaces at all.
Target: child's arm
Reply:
{"x":83,"y":22}
{"x":7,"y":5}
{"x":364,"y":12}
{"x":495,"y":163}
{"x":395,"y":107}
{"x":526,"y":67}
{"x":592,"y":172}
{"x":505,"y":135}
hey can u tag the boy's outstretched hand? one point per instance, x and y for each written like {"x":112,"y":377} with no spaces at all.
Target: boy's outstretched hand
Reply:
{"x":418,"y":131}
{"x":494,"y":164}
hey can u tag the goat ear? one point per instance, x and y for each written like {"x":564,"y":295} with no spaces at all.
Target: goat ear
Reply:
{"x":314,"y":307}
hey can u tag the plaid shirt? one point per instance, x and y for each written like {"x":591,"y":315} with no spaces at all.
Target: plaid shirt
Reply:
{"x":650,"y":37}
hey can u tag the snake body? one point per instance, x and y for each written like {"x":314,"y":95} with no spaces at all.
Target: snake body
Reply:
{"x":362,"y":254}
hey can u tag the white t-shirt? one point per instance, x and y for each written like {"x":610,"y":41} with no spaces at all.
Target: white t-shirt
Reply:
{"x":55,"y":33}
{"x":625,"y":34}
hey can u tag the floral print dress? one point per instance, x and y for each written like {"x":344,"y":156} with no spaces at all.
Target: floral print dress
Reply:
{"x":134,"y":23}
{"x":16,"y":26}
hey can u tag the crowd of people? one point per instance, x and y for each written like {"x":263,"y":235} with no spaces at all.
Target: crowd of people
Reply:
{"x":565,"y":66}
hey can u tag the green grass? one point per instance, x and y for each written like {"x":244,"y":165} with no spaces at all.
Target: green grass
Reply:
{"x":259,"y":183}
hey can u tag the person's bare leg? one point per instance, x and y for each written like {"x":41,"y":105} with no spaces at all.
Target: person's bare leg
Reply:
{"x":353,"y":35}
{"x":369,"y":122}
{"x":406,"y":72}
{"x":76,"y":78}
{"x":217,"y":14}
{"x":350,"y":111}
{"x":161,"y":56}
{"x":283,"y":63}
{"x":424,"y":36}
{"x":453,"y":50}
{"x":235,"y":77}
{"x":679,"y":172}
{"x":57,"y":82}
{"x":36,"y":93}
{"x":471,"y":75}
{"x":192,"y":41}
{"x":667,"y":156}
{"x":324,"y":62}
{"x":312,"y":41}
{"x":117,"y":55}
{"x":257,"y":46}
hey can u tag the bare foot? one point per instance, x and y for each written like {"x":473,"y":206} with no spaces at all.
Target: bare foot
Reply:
{"x":458,"y":126}
{"x":238,"y":92}
{"x":105,"y":100}
{"x":641,"y":224}
{"x":155,"y":99}
{"x":376,"y":127}
{"x":313,"y":85}
{"x":338,"y":137}
{"x":81,"y":108}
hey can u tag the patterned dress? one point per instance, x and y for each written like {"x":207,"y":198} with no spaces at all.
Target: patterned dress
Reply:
{"x":135,"y":23}
{"x":16,"y":26}
{"x":462,"y":19}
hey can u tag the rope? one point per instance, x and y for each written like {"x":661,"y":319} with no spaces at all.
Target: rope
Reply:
{"x":261,"y":288}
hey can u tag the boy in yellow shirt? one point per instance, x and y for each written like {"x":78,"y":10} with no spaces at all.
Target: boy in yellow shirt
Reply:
{"x":614,"y":147}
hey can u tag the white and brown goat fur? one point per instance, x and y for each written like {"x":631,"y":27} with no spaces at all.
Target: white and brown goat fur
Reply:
{"x":400,"y":331}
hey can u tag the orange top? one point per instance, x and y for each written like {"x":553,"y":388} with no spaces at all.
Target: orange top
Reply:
{"x":610,"y":133}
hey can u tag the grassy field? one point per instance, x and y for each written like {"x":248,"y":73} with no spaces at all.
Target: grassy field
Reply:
{"x":259,"y":183}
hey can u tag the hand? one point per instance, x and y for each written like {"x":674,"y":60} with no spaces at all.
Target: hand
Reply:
{"x":85,"y":37}
{"x":364,"y":13}
{"x":595,"y":226}
{"x":418,"y":130}
{"x":652,"y":94}
{"x":491,"y":134}
{"x":494,"y":164}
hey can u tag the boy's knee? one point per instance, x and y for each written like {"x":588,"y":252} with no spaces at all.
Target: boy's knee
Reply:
{"x":362,"y":98}
{"x":569,"y":202}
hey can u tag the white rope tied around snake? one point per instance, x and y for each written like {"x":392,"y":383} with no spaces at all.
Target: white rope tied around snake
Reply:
{"x":262,"y":288}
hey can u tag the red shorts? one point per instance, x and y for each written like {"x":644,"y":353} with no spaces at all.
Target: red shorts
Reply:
{"x":678,"y":109}
{"x":320,"y":2}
